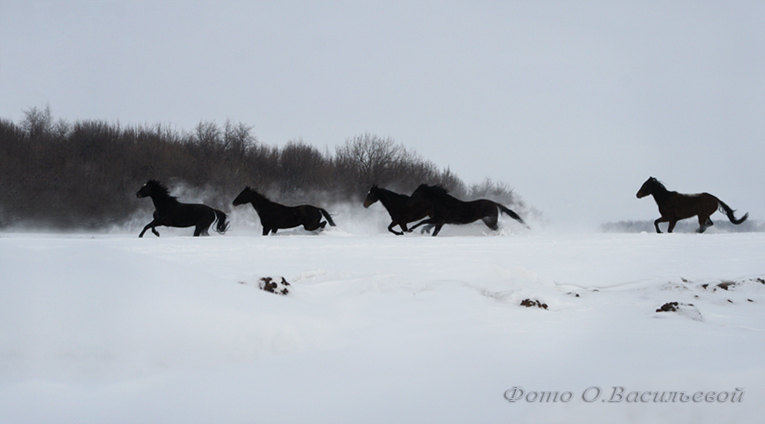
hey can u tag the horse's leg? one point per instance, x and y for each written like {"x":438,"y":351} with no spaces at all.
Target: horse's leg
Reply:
{"x":145,"y":228}
{"x":266,"y":230}
{"x":151,"y":225}
{"x":491,"y":222}
{"x":204,"y":223}
{"x":423,"y":222}
{"x":704,"y":222}
{"x":672,"y":223}
{"x":402,"y":225}
{"x":656,"y":223}
{"x":438,"y":228}
{"x":393,"y":224}
{"x":273,"y":230}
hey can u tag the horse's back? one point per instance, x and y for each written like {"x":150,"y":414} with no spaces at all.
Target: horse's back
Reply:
{"x":684,"y":206}
{"x":191,"y":214}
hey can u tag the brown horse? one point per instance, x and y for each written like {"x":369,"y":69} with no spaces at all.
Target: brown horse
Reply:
{"x":674,"y":206}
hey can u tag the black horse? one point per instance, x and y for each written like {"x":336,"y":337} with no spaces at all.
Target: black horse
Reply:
{"x":446,"y":209}
{"x":274,"y":216}
{"x":172,"y":213}
{"x":401,"y":210}
{"x":674,"y":206}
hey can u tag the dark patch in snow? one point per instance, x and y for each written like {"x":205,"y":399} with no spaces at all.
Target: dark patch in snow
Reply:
{"x":272,"y":286}
{"x":668,"y":307}
{"x":737,"y":292}
{"x":532,"y":303}
{"x":685,"y":309}
{"x":725,"y":285}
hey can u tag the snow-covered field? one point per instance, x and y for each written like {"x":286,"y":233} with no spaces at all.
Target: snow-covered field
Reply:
{"x":109,"y":328}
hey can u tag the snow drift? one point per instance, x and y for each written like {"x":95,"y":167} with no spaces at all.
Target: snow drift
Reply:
{"x":378,"y":328}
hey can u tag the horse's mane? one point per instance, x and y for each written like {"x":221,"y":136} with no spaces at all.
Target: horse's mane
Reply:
{"x":388,"y":195}
{"x":257,"y":194}
{"x":437,"y":189}
{"x":376,"y":188}
{"x":160,"y":189}
{"x":658,"y":184}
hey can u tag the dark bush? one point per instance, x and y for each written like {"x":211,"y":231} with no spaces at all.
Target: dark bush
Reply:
{"x":86,"y":174}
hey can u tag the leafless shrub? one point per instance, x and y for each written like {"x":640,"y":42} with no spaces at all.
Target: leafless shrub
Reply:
{"x":86,"y":174}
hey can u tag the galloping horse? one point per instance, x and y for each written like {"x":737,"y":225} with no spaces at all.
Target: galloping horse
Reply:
{"x":399,"y":207}
{"x":446,"y":209}
{"x":172,"y":213}
{"x":274,"y":215}
{"x":674,"y":206}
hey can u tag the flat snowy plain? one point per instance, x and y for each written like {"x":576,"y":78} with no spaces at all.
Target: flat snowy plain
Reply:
{"x":109,"y":328}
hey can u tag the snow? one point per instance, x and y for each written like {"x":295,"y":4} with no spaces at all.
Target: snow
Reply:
{"x":109,"y":328}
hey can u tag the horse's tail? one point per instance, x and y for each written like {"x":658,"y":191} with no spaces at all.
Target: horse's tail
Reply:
{"x":222,"y":225}
{"x":326,"y":215}
{"x":729,"y":212}
{"x":511,"y":213}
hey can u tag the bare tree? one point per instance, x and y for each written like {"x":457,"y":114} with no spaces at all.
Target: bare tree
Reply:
{"x":85,"y":173}
{"x":237,"y":137}
{"x":302,"y":167}
{"x":207,"y":133}
{"x":37,"y":122}
{"x":369,"y":159}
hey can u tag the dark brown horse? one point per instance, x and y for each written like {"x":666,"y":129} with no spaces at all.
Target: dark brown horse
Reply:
{"x":172,"y":213}
{"x":674,"y":206}
{"x":399,"y":207}
{"x":274,"y":215}
{"x":443,"y":208}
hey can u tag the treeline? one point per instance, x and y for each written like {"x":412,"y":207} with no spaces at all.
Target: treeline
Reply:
{"x":85,"y":174}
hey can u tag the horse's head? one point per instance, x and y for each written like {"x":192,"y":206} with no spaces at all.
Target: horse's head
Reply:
{"x":648,"y":187}
{"x":420,"y":191}
{"x":243,"y":197}
{"x":372,"y":196}
{"x":150,"y":188}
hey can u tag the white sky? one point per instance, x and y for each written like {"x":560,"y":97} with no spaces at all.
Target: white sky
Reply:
{"x":573,"y":103}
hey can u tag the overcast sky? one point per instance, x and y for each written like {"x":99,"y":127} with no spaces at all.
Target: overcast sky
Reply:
{"x":572,"y":103}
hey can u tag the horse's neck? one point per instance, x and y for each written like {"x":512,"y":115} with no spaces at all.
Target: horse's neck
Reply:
{"x":260,"y":203}
{"x":162,"y":203}
{"x":389,"y":198}
{"x":660,"y":194}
